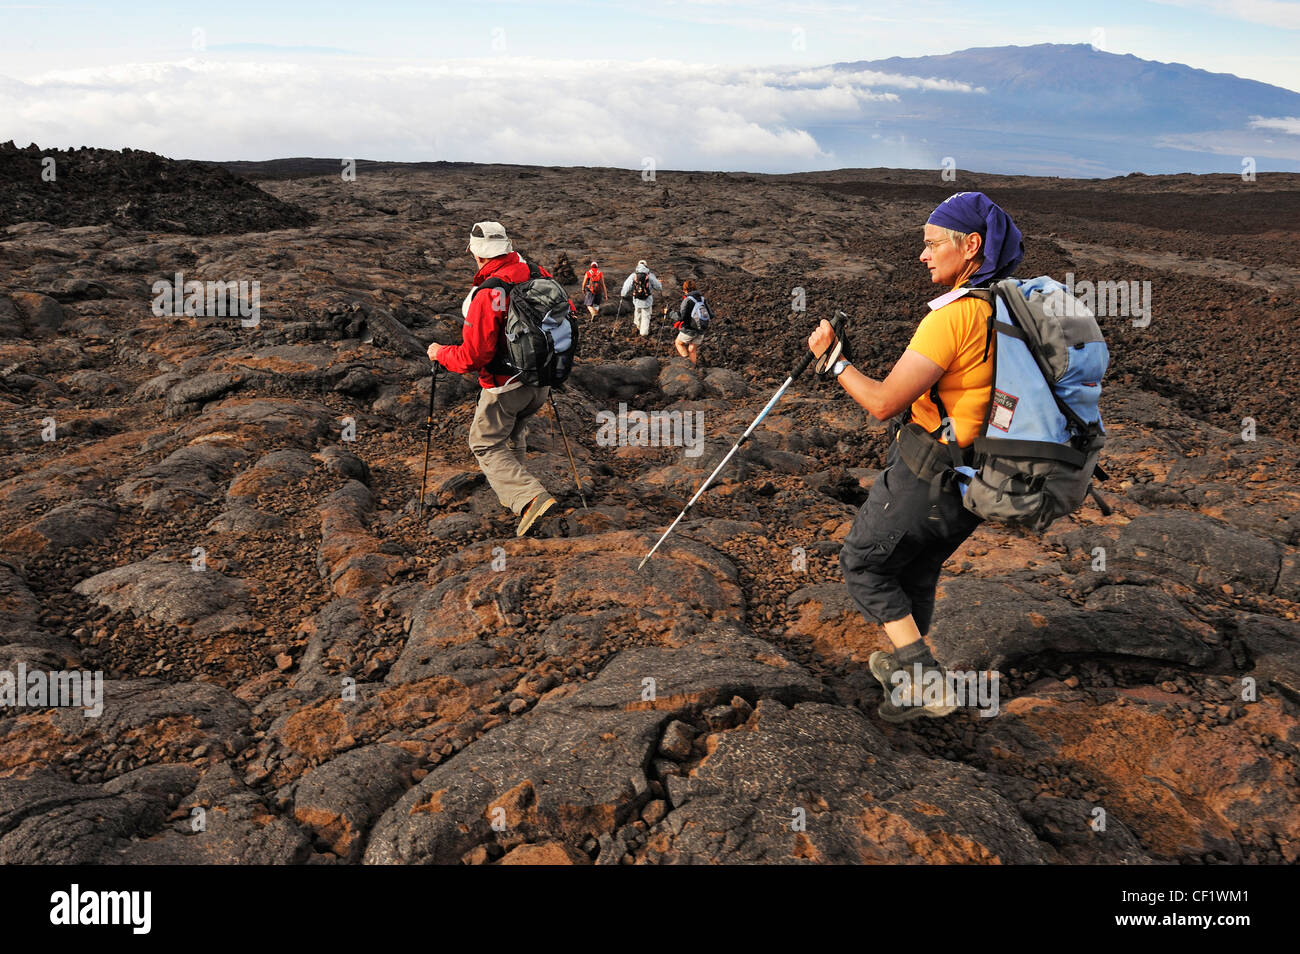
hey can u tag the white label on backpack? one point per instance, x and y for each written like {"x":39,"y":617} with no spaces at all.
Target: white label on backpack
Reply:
{"x":1003,"y":410}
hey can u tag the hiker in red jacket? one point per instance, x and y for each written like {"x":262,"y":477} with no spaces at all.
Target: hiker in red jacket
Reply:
{"x":593,"y":285}
{"x":498,"y":435}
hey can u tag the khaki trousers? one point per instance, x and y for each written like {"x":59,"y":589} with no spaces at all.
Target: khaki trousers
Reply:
{"x":498,"y":437}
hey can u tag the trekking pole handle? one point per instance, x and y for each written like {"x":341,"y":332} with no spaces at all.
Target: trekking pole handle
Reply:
{"x":838,"y":324}
{"x":802,"y":366}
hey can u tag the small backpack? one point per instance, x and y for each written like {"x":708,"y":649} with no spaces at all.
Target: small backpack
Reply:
{"x":641,"y":285}
{"x":539,"y":339}
{"x":699,"y":317}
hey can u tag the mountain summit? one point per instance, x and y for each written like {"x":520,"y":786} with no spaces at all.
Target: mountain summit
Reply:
{"x":1071,"y":109}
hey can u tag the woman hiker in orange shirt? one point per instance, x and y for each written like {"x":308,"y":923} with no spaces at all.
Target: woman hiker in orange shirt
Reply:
{"x":902,"y":535}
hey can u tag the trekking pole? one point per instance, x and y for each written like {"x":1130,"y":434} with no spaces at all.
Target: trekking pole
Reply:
{"x":618,"y":315}
{"x":428,"y":437}
{"x":556,"y":409}
{"x":837,"y":324}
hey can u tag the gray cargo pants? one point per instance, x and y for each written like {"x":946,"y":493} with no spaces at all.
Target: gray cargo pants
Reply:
{"x":499,"y":439}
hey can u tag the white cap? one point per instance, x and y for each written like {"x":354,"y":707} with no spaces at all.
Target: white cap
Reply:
{"x":641,"y":266}
{"x":488,"y":240}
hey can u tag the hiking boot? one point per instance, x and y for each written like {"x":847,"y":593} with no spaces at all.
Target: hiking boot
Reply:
{"x":538,"y":506}
{"x":883,"y":666}
{"x":896,"y":714}
{"x":891,"y":712}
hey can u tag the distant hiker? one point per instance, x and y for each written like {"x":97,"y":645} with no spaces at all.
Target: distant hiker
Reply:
{"x":593,"y":288}
{"x":692,"y":322}
{"x":641,"y":285}
{"x":498,"y":434}
{"x":911,"y":523}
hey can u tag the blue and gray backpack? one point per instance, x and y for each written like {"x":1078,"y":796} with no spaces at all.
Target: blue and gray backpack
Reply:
{"x":1036,"y":456}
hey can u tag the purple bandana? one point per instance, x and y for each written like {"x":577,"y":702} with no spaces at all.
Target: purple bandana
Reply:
{"x":976,"y":212}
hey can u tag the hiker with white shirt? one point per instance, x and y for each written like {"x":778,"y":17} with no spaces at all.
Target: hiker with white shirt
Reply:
{"x":641,"y":285}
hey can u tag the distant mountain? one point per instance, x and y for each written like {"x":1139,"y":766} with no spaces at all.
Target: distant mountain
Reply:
{"x":1057,"y":109}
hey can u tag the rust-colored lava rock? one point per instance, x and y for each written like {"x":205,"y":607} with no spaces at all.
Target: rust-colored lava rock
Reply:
{"x":218,"y":512}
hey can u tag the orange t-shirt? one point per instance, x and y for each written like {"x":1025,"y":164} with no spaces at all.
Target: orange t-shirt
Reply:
{"x":952,"y":336}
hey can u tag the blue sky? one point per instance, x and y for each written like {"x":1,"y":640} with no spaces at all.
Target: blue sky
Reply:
{"x":592,"y":82}
{"x":1252,"y":38}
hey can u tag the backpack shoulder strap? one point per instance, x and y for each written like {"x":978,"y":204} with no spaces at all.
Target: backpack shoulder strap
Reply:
{"x":534,"y":272}
{"x":989,"y":297}
{"x":492,"y":282}
{"x":954,"y":452}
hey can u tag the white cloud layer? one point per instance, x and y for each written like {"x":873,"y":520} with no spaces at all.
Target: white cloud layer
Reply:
{"x":505,"y":109}
{"x":1285,"y":124}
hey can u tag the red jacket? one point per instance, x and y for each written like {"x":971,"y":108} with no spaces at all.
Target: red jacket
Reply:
{"x":481,"y":332}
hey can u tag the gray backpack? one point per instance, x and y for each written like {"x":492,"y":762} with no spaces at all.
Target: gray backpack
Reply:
{"x":539,"y":337}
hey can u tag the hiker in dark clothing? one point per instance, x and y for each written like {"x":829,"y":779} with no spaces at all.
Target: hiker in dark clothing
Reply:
{"x":909,"y":526}
{"x":692,"y":321}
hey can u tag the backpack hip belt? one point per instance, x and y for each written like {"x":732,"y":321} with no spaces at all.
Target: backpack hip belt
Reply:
{"x":925,"y":456}
{"x":933,"y":462}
